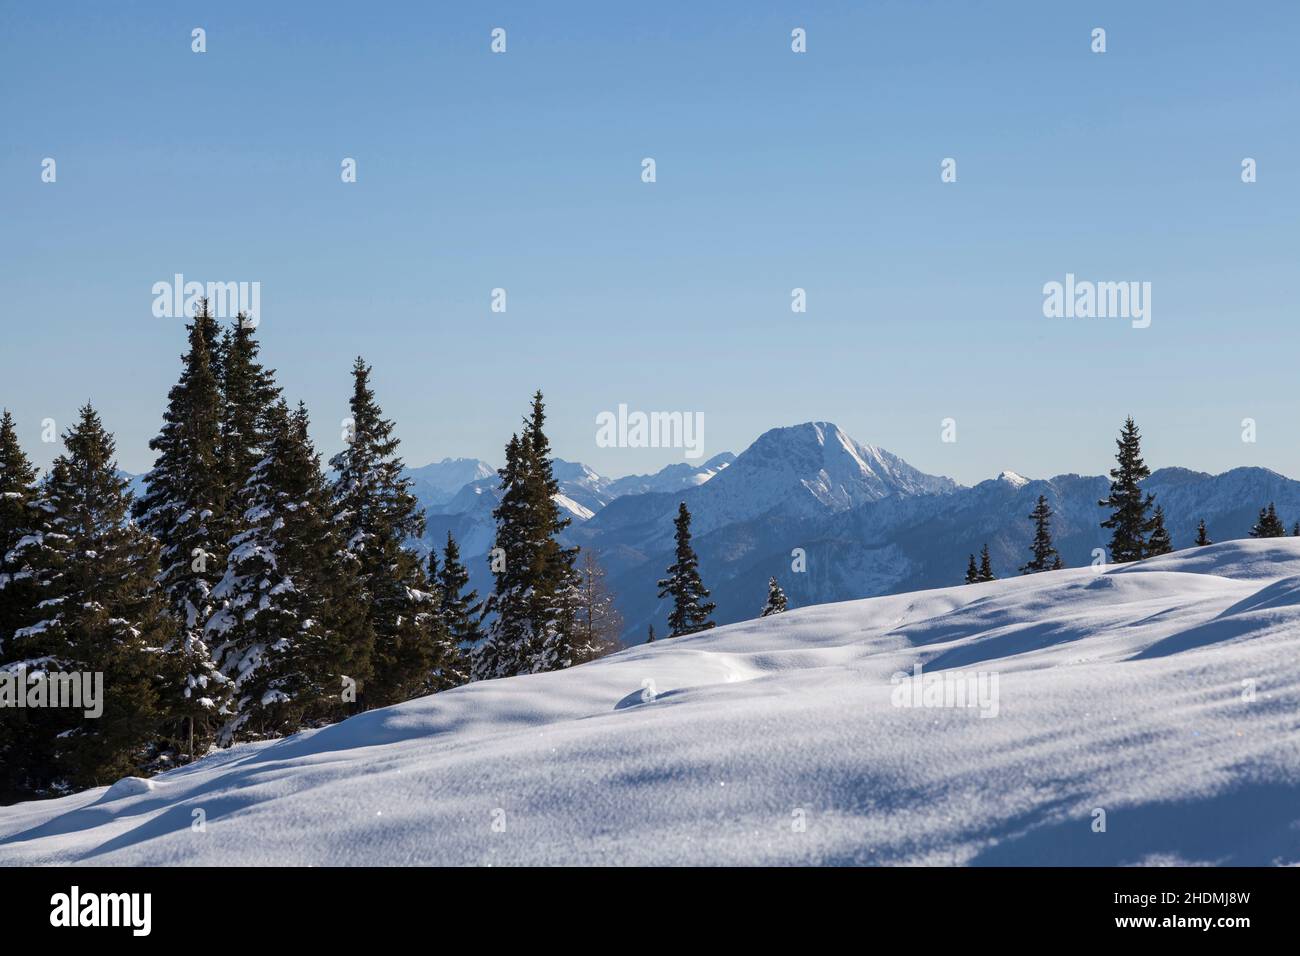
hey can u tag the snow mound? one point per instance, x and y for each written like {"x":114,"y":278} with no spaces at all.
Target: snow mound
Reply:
{"x":128,"y":787}
{"x":1165,"y":693}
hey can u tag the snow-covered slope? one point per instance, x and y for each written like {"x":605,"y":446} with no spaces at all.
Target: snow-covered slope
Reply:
{"x":1164,"y":693}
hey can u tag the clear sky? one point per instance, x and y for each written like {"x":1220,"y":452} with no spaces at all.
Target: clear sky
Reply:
{"x":775,"y":170}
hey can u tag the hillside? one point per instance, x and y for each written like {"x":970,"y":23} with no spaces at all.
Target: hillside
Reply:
{"x":1122,"y":690}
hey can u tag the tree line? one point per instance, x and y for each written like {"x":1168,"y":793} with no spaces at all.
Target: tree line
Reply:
{"x":1136,"y":521}
{"x":250,"y":593}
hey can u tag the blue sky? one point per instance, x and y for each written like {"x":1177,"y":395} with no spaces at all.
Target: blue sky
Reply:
{"x":775,"y":170}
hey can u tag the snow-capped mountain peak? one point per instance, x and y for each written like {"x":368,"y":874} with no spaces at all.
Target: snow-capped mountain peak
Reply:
{"x":1013,"y":479}
{"x":815,"y":466}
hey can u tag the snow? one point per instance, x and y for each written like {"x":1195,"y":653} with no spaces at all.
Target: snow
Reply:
{"x":1163,"y":693}
{"x":571,"y":506}
{"x":128,"y":787}
{"x":1013,"y":479}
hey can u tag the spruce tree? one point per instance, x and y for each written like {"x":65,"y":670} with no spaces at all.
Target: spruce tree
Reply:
{"x":1202,"y":536}
{"x":248,"y":394}
{"x":535,"y":595}
{"x":690,"y":612}
{"x":461,"y":608}
{"x":986,"y":566}
{"x":508,"y":643}
{"x":1269,"y":524}
{"x":650,"y":635}
{"x":1158,"y":542}
{"x":377,"y":515}
{"x":22,"y":527}
{"x":101,"y":616}
{"x":775,"y":599}
{"x":1295,"y":530}
{"x":972,"y":571}
{"x":1128,"y":520}
{"x":291,"y":634}
{"x":1045,"y":556}
{"x":556,"y":582}
{"x":183,"y":508}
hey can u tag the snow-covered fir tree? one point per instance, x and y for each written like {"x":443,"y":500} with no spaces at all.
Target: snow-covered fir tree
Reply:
{"x":535,"y":592}
{"x":22,"y":528}
{"x":248,"y":392}
{"x":776,"y":602}
{"x":986,"y":566}
{"x":1202,"y":535}
{"x":292,"y":633}
{"x":555,"y":590}
{"x":1158,"y":541}
{"x":1269,"y":524}
{"x":972,"y":570}
{"x":376,"y":515}
{"x":1045,"y":556}
{"x":1128,"y":521}
{"x":183,"y":508}
{"x":99,"y":613}
{"x":461,"y":607}
{"x":690,"y":612}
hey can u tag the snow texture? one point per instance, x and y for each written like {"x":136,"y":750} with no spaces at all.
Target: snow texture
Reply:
{"x":1165,"y":693}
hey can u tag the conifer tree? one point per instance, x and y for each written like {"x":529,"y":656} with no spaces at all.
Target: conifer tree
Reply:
{"x":972,"y":571}
{"x":1158,"y":542}
{"x":1269,"y":524}
{"x":377,"y":515}
{"x":650,"y":635}
{"x":508,"y":643}
{"x":775,"y":599}
{"x":986,"y":566}
{"x":1128,"y":520}
{"x":22,"y":528}
{"x":461,"y":608}
{"x":101,"y":615}
{"x":535,"y":594}
{"x":183,"y":508}
{"x":690,"y":612}
{"x":599,"y":624}
{"x":291,"y":634}
{"x":248,"y":394}
{"x":1045,"y":556}
{"x":1202,"y":536}
{"x":555,"y":590}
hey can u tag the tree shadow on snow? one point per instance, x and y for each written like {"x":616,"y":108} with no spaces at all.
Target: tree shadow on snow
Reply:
{"x":1249,"y":824}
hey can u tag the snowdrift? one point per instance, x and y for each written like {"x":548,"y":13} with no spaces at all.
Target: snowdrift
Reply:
{"x":1161,"y":699}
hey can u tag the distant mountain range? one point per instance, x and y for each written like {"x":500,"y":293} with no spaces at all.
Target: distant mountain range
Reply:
{"x":867,"y":522}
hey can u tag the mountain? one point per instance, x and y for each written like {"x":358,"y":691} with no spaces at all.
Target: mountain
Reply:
{"x":892,"y":531}
{"x":467,"y":513}
{"x":859,"y":520}
{"x":677,"y":477}
{"x":803,"y":738}
{"x":438,"y":482}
